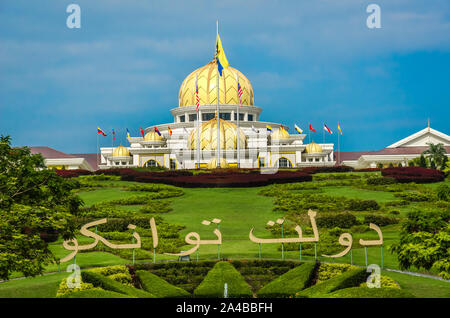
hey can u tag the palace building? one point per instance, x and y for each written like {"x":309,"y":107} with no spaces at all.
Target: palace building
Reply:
{"x":190,"y":141}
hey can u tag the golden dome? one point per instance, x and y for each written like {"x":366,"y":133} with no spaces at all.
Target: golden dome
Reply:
{"x":121,"y":151}
{"x":313,"y":148}
{"x":212,"y":164}
{"x":207,"y":90}
{"x":280,"y":133}
{"x":153,"y":136}
{"x":208,"y":136}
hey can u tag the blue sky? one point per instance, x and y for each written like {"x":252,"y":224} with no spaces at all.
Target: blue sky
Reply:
{"x":308,"y":62}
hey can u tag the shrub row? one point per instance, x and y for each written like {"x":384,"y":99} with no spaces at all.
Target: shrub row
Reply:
{"x":413,"y":174}
{"x":159,"y":287}
{"x":313,"y":170}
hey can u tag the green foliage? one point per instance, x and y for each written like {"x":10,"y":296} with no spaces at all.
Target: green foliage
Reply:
{"x":443,"y":192}
{"x":425,"y":241}
{"x":379,"y":220}
{"x":385,"y":282}
{"x":365,"y":292}
{"x":159,"y":287}
{"x":351,"y":278}
{"x":108,"y":284}
{"x":291,"y":282}
{"x":64,"y":289}
{"x":380,"y":180}
{"x":214,"y":282}
{"x":327,"y":271}
{"x":342,"y":220}
{"x":436,"y":154}
{"x":415,"y":196}
{"x":34,"y":206}
{"x":96,"y":293}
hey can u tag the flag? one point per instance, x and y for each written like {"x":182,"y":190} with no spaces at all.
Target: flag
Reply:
{"x":114,"y":135}
{"x":157,"y":131}
{"x":128,"y":134}
{"x":197,"y":99}
{"x":311,"y":128}
{"x":170,"y":130}
{"x":99,"y":131}
{"x":221,"y":58}
{"x":339,"y":127}
{"x":240,"y":93}
{"x":269,"y":128}
{"x":255,"y":130}
{"x":325,"y":127}
{"x":142,"y":132}
{"x":298,"y":129}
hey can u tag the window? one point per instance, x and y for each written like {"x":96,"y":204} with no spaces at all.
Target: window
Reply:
{"x":226,"y":116}
{"x":250,"y":117}
{"x":317,"y":159}
{"x":207,"y":116}
{"x":117,"y":163}
{"x":182,"y":119}
{"x":151,"y":163}
{"x":262,"y":162}
{"x":172,"y":164}
{"x":241,"y":116}
{"x":284,"y":163}
{"x":192,"y":117}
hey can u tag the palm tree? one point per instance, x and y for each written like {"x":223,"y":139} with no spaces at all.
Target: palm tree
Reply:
{"x":436,"y":153}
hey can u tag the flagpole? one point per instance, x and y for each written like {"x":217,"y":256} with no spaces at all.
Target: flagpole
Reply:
{"x":97,"y":150}
{"x":218,"y":115}
{"x":198,"y":126}
{"x":323,"y":132}
{"x":309,"y":128}
{"x":237,"y":130}
{"x":339,"y":149}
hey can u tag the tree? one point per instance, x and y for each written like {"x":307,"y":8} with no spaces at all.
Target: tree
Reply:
{"x":33,"y":201}
{"x":436,"y":154}
{"x":425,"y":242}
{"x":422,"y":161}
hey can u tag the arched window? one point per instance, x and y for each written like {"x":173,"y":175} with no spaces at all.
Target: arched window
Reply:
{"x":151,"y":163}
{"x":284,"y":163}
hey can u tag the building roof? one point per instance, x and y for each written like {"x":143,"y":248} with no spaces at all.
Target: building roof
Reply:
{"x":348,"y":155}
{"x":49,"y":153}
{"x":91,"y":158}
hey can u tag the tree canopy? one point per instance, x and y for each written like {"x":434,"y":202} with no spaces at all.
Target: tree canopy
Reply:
{"x":34,"y":201}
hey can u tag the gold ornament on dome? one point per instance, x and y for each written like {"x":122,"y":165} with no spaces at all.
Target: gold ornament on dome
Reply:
{"x":207,"y":90}
{"x":121,"y":151}
{"x":153,"y":136}
{"x":280,"y":133}
{"x":208,"y":136}
{"x":313,"y":148}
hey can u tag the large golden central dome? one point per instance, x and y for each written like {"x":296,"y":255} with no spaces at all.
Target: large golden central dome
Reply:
{"x":207,"y":90}
{"x":208,"y":136}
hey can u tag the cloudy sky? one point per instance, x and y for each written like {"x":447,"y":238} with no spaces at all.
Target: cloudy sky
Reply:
{"x":308,"y":62}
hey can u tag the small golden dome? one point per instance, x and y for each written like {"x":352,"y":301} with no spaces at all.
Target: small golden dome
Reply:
{"x":121,"y":151}
{"x":280,"y":133}
{"x":212,"y":164}
{"x":207,"y":90}
{"x":208,"y":136}
{"x":313,"y":148}
{"x":153,"y":136}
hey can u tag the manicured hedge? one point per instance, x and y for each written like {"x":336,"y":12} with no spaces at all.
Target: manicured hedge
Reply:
{"x":95,"y":293}
{"x":313,"y":170}
{"x":221,"y":273}
{"x":348,"y":279}
{"x":291,"y":282}
{"x":73,"y":173}
{"x":108,"y":284}
{"x":365,"y":292}
{"x":159,"y":287}
{"x":413,"y":174}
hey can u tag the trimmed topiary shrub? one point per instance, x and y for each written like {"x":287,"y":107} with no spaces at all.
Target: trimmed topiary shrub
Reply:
{"x":365,"y":292}
{"x":342,"y":220}
{"x":96,"y":293}
{"x":379,"y":220}
{"x":221,"y":273}
{"x":291,"y":282}
{"x":108,"y":284}
{"x":159,"y":287}
{"x":413,"y":174}
{"x":348,"y":279}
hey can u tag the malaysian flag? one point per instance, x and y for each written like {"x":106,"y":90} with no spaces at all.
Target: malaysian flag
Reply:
{"x":240,"y":93}
{"x":197,"y":99}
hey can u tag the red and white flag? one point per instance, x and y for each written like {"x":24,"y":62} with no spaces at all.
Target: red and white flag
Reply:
{"x":240,"y":93}
{"x":325,"y":127}
{"x":197,"y":99}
